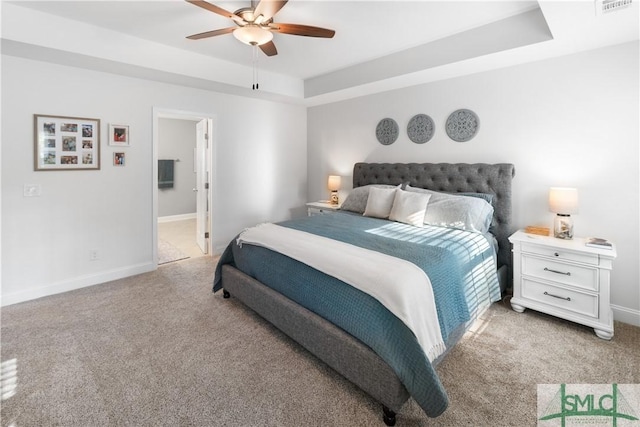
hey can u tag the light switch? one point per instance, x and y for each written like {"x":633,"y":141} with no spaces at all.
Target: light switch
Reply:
{"x":32,"y":190}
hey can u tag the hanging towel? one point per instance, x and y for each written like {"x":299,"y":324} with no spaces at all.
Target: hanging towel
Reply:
{"x":165,"y":173}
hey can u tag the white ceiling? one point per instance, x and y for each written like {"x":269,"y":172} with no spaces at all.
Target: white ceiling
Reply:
{"x":366,"y":32}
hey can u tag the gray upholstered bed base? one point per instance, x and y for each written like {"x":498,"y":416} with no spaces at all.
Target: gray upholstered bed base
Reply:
{"x":345,"y":354}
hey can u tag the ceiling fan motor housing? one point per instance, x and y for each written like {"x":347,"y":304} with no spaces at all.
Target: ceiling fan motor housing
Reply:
{"x":247,"y":15}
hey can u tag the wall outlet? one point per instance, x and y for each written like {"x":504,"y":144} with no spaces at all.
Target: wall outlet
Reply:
{"x":32,"y":190}
{"x":94,"y":255}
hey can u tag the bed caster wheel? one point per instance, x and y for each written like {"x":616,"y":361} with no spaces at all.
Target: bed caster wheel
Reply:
{"x":388,"y":416}
{"x":225,"y":294}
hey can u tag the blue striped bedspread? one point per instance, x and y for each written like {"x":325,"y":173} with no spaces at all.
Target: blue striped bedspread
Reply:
{"x":460,"y":265}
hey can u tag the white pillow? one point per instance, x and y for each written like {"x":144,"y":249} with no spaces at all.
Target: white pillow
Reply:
{"x":409,"y":207}
{"x":356,"y":201}
{"x":380,"y":202}
{"x":463,"y":212}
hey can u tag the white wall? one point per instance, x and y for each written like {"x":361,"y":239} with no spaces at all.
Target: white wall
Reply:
{"x":260,"y":167}
{"x":570,"y":121}
{"x":176,"y":141}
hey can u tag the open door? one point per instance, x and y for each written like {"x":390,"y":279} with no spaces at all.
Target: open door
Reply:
{"x":202,"y":186}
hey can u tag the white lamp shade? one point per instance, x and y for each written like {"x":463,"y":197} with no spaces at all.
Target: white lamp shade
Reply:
{"x":334,"y":182}
{"x":253,"y":35}
{"x":563,"y":200}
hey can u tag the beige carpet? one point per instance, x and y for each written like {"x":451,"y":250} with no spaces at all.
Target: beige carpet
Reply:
{"x":160,"y":349}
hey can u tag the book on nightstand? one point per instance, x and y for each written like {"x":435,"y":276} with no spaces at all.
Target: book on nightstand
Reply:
{"x":597,"y":242}
{"x":533,"y":229}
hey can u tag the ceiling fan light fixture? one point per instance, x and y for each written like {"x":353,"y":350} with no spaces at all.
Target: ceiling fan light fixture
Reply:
{"x":252,"y":34}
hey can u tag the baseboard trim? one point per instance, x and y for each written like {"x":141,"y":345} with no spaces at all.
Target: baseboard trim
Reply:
{"x":626,"y":315}
{"x":218,"y":250}
{"x":181,"y":217}
{"x":75,"y":283}
{"x":621,"y":314}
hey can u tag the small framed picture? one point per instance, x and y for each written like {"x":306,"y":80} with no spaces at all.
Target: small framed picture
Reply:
{"x":66,"y":143}
{"x":119,"y":135}
{"x":118,"y":159}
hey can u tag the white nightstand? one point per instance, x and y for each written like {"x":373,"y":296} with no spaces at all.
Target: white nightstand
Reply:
{"x":563,"y":278}
{"x":319,"y":208}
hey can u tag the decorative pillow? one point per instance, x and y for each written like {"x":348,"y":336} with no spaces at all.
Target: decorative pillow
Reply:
{"x":356,"y":201}
{"x":409,"y":207}
{"x":463,"y":212}
{"x":380,"y":202}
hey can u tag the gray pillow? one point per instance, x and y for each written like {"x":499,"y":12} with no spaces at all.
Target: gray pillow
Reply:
{"x":453,"y":211}
{"x":356,"y":201}
{"x":484,"y":196}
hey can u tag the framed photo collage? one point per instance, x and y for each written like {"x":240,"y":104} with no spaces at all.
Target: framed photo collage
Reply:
{"x":73,"y":143}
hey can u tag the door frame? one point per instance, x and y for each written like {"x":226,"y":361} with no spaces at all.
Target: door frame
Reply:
{"x":164,"y":113}
{"x":202,"y":167}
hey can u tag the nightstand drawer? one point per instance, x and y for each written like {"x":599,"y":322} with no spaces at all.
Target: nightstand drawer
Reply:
{"x":561,"y":254}
{"x":316,"y":211}
{"x":574,"y":301}
{"x":561,"y":272}
{"x":321,"y":208}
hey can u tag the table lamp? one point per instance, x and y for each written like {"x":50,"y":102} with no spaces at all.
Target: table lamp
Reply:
{"x":334,"y":186}
{"x":563,"y":202}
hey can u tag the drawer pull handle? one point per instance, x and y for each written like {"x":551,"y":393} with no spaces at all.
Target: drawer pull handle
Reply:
{"x":568,"y":273}
{"x":556,"y":296}
{"x":556,"y":254}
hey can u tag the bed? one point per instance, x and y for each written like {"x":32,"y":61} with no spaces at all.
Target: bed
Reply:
{"x":350,"y":330}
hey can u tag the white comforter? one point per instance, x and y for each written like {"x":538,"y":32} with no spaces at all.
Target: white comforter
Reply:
{"x":401,"y":286}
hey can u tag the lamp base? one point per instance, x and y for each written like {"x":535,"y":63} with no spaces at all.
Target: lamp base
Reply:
{"x":563,"y":227}
{"x":334,"y":198}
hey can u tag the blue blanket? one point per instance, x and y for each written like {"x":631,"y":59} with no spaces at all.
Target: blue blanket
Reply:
{"x":459,"y":264}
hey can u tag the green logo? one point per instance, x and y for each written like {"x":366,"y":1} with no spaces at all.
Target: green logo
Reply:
{"x":588,"y":406}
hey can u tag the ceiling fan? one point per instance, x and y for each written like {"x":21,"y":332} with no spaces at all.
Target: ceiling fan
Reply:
{"x":255,"y":26}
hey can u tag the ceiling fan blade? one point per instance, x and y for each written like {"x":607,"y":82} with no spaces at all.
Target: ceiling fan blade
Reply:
{"x":302,"y":30}
{"x":269,"y":49}
{"x":268,"y":8}
{"x":215,"y":9}
{"x":211,"y":33}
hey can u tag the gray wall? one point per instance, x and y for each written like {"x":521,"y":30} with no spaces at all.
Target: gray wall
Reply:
{"x":569,"y":121}
{"x":177,"y":140}
{"x":260,"y":174}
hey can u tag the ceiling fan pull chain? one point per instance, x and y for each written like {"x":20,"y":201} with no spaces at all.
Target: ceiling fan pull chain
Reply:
{"x":254,"y":61}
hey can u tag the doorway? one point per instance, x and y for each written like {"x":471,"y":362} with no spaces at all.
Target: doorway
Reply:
{"x":182,"y":191}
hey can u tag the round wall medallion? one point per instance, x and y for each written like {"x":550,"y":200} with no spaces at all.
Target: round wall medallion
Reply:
{"x":462,"y":125}
{"x":387,"y":131}
{"x":420,"y":128}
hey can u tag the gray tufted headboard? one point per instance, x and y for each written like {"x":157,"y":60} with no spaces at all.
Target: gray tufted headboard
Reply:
{"x":453,"y":178}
